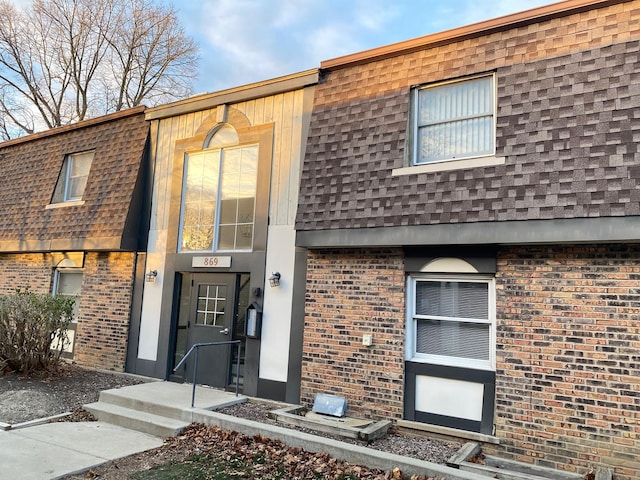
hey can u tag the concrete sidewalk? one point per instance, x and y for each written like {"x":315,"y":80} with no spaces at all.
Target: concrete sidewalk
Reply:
{"x":52,"y":450}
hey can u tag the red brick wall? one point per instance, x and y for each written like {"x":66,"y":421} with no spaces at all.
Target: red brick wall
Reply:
{"x":22,"y":271}
{"x":568,"y":356}
{"x":105,"y":301}
{"x":349,"y":294}
{"x":103,"y":318}
{"x":568,"y":348}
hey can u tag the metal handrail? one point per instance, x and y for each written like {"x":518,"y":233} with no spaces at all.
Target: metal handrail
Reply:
{"x":196,"y":347}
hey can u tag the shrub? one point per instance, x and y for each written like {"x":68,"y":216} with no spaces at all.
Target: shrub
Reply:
{"x":33,"y":330}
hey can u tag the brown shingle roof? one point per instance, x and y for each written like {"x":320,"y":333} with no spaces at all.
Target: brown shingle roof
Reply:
{"x":30,"y":167}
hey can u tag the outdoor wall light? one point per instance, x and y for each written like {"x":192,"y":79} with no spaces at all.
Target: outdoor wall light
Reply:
{"x":151,"y":276}
{"x":274,"y":279}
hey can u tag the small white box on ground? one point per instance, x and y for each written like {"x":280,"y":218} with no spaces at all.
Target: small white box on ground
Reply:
{"x":329,"y":404}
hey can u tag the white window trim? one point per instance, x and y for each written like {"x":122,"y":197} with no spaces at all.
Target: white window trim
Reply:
{"x":56,"y":280}
{"x":411,"y":319}
{"x":70,"y":203}
{"x":452,"y":161}
{"x":61,"y":193}
{"x":67,"y":181}
{"x":447,"y":165}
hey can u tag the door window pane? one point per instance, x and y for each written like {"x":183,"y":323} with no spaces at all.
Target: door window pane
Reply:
{"x":211,"y":305}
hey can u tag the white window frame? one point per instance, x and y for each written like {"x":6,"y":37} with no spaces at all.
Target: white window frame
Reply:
{"x":56,"y":282}
{"x":216,"y":220}
{"x":68,"y":178}
{"x":416,"y":126}
{"x":62,"y":193}
{"x":412,"y":320}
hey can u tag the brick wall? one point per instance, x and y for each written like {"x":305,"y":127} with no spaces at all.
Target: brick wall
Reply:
{"x":568,"y":356}
{"x":22,"y":271}
{"x":103,"y":318}
{"x":568,"y":348}
{"x":349,"y":294}
{"x":104,"y":304}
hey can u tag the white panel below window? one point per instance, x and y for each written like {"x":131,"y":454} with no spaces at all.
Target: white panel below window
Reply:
{"x":453,"y":398}
{"x":68,"y":345}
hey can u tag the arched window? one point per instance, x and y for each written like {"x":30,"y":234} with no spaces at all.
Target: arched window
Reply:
{"x":219,"y":195}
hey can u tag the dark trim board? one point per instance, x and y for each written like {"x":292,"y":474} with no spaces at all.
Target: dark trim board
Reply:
{"x":146,"y":368}
{"x":272,"y":390}
{"x":576,"y":230}
{"x":487,"y":378}
{"x":294,"y":371}
{"x":449,"y":422}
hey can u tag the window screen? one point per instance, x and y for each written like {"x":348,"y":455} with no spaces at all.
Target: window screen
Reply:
{"x":455,"y":120}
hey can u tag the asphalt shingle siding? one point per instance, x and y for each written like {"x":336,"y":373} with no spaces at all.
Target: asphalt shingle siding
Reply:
{"x":30,"y":169}
{"x":567,"y":126}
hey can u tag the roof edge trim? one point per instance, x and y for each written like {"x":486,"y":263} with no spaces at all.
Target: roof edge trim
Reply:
{"x":76,"y":126}
{"x":505,"y":22}
{"x":236,"y":94}
{"x":88,"y":244}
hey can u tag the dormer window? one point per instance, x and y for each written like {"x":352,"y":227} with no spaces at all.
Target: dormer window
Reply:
{"x":72,"y":180}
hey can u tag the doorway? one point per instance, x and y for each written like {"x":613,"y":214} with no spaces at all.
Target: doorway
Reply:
{"x":210,"y":311}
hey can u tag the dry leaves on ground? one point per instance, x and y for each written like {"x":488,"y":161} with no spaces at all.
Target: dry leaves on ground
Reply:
{"x":271,"y":458}
{"x":267,"y":458}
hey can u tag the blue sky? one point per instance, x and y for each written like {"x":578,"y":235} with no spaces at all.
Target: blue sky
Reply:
{"x":245,"y":41}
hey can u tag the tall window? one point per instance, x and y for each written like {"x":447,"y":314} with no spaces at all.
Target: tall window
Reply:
{"x":453,"y":321}
{"x":219,"y":194}
{"x":455,"y":120}
{"x":73,"y":177}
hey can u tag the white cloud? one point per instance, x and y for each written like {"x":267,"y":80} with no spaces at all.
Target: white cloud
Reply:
{"x":477,"y":11}
{"x":243,"y":41}
{"x":376,"y":15}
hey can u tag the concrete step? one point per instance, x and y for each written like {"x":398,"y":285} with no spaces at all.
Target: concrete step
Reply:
{"x":144,"y":405}
{"x":172,"y":400}
{"x":141,"y":421}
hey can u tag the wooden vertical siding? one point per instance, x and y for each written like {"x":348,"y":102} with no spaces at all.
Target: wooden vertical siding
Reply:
{"x":163,"y":144}
{"x":285,"y":111}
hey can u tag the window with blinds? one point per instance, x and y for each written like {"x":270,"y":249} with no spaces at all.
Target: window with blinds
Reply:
{"x":455,"y":120}
{"x":453,"y":321}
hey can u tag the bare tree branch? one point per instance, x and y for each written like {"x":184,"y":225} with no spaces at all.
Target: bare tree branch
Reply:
{"x":62,"y":61}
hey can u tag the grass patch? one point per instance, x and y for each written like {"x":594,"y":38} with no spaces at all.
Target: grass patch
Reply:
{"x":201,"y":467}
